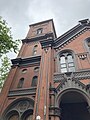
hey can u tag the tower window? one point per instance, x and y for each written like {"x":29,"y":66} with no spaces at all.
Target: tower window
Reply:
{"x":35,"y":50}
{"x":67,"y":62}
{"x":39,"y":31}
{"x":20,"y":84}
{"x":34,"y":81}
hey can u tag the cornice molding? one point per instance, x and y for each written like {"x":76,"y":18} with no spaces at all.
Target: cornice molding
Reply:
{"x":62,"y":41}
{"x":38,"y":38}
{"x":22,"y":91}
{"x":26,"y":61}
{"x":46,"y":43}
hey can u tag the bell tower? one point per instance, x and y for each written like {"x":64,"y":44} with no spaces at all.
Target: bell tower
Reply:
{"x":27,"y":86}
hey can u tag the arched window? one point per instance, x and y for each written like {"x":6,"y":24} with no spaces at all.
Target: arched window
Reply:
{"x":88,"y":43}
{"x":35,"y":50}
{"x":66,"y":62}
{"x":14,"y":117}
{"x":39,"y":31}
{"x":34,"y":81}
{"x":22,"y":105}
{"x":29,"y":117}
{"x":20,"y":84}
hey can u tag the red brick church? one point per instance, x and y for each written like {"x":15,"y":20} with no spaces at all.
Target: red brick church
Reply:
{"x":50,"y":78}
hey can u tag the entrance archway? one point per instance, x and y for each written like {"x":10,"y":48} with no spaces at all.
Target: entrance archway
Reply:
{"x":73,"y":106}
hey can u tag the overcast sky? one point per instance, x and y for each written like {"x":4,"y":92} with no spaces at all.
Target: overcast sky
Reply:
{"x":21,"y":13}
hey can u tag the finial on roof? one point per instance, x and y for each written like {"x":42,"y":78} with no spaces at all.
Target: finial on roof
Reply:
{"x":85,"y":21}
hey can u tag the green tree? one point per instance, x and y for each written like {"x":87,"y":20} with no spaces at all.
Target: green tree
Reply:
{"x":4,"y":69}
{"x":6,"y":41}
{"x":6,"y":45}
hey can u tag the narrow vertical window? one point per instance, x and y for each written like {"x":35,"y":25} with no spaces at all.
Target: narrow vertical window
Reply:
{"x":70,"y":62}
{"x":88,"y":43}
{"x":20,"y":84}
{"x":34,"y":81}
{"x":63,"y":64}
{"x":39,"y":31}
{"x":35,"y":50}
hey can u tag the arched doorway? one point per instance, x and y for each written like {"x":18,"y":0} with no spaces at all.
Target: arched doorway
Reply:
{"x":73,"y":106}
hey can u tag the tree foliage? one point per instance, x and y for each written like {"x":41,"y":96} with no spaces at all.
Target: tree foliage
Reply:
{"x":6,"y":45}
{"x":6,"y":41}
{"x":4,"y":69}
